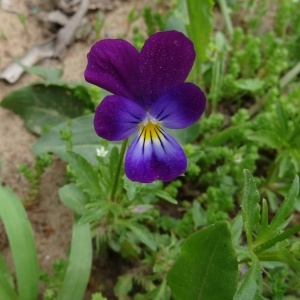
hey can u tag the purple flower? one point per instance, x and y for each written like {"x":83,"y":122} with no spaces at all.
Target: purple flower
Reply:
{"x":149,"y":95}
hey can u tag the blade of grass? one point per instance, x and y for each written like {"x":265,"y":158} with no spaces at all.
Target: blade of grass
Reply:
{"x":22,"y":244}
{"x":6,"y":282}
{"x":80,"y":263}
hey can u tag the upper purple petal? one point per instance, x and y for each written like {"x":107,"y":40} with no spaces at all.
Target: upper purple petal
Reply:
{"x":155,"y":159}
{"x":117,"y":118}
{"x":166,"y":60}
{"x":179,"y":107}
{"x":113,"y":66}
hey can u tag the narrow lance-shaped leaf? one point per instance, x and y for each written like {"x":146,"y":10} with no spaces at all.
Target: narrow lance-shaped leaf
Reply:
{"x":21,"y":242}
{"x":249,"y":286}
{"x":286,"y":207}
{"x":200,"y":25}
{"x":250,"y":206}
{"x":80,"y":263}
{"x":6,"y":282}
{"x":207,"y":266}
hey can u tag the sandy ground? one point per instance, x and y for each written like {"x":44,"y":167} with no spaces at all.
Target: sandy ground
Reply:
{"x":50,"y":219}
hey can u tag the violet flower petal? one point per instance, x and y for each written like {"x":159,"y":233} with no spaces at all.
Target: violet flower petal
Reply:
{"x":179,"y":107}
{"x":156,"y":159}
{"x":117,"y":118}
{"x":166,"y":60}
{"x":113,"y":66}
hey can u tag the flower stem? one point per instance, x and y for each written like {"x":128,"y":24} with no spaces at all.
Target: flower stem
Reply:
{"x":117,"y":174}
{"x":224,"y":10}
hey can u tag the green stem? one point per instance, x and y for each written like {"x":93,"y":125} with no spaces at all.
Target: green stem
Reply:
{"x":277,"y":239}
{"x":228,"y":23}
{"x":290,"y":75}
{"x":117,"y":175}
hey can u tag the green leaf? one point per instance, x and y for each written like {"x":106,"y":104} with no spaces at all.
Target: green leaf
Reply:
{"x":87,"y":177}
{"x":6,"y":282}
{"x":250,"y":206}
{"x":22,"y":245}
{"x":187,"y":135}
{"x":40,"y":105}
{"x":94,"y":215}
{"x":132,"y":188}
{"x":249,"y":286}
{"x":221,"y":137}
{"x":123,"y":286}
{"x":80,"y":264}
{"x":73,"y":197}
{"x":236,"y":229}
{"x":250,"y":85}
{"x":200,"y":25}
{"x":50,"y":75}
{"x":166,"y":196}
{"x":84,"y":139}
{"x":266,"y":137}
{"x":143,"y":234}
{"x":281,"y":122}
{"x":207,"y":266}
{"x":286,"y":207}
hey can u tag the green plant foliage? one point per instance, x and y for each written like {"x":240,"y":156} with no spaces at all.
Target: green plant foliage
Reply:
{"x":206,"y":267}
{"x":80,"y":263}
{"x":83,"y":139}
{"x":41,"y":105}
{"x":200,"y":25}
{"x":20,"y":236}
{"x":248,"y":286}
{"x":250,"y":206}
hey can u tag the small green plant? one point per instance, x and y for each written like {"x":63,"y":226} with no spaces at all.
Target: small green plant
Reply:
{"x":34,"y":177}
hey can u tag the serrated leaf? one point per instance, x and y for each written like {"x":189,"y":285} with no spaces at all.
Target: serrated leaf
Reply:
{"x":143,"y":234}
{"x":80,"y":264}
{"x":286,"y":207}
{"x":250,"y":206}
{"x":166,"y":196}
{"x":87,"y":177}
{"x":207,"y":266}
{"x":201,"y":19}
{"x":73,"y":197}
{"x":41,"y":105}
{"x":249,"y":286}
{"x":251,"y":85}
{"x":84,"y":139}
{"x":266,"y":137}
{"x":20,"y":236}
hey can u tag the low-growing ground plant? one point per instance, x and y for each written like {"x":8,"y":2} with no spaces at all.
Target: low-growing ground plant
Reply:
{"x":210,"y":219}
